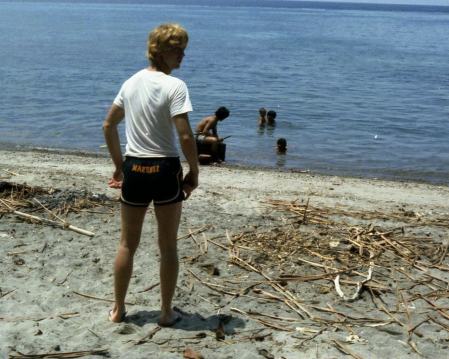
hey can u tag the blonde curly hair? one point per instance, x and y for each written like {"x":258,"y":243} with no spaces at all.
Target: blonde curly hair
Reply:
{"x":163,"y":38}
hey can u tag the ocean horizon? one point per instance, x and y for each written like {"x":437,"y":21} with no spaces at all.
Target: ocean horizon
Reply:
{"x":307,"y":4}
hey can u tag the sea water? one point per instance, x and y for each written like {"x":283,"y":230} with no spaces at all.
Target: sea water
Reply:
{"x":359,"y":90}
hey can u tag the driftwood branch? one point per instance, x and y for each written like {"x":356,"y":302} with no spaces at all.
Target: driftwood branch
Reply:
{"x":64,"y":225}
{"x":98,"y":298}
{"x":344,"y":349}
{"x":77,"y":354}
{"x":191,"y":233}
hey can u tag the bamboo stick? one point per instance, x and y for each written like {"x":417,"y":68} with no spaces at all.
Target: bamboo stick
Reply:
{"x":75,"y":354}
{"x":264,"y":322}
{"x":64,"y":225}
{"x":98,"y":298}
{"x":344,"y":349}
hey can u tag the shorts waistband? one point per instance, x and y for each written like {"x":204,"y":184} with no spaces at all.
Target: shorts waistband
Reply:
{"x":152,"y":158}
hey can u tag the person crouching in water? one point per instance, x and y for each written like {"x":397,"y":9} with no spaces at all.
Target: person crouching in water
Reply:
{"x":206,"y":130}
{"x":155,"y":106}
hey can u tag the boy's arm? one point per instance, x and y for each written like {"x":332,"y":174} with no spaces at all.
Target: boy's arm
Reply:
{"x":210,"y":129}
{"x":188,"y":146}
{"x":112,"y":139}
{"x":214,"y":130}
{"x":200,"y":127}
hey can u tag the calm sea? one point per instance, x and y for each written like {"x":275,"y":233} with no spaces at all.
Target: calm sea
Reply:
{"x":359,"y":90}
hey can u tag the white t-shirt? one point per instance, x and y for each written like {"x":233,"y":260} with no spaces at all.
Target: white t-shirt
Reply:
{"x":150,"y":100}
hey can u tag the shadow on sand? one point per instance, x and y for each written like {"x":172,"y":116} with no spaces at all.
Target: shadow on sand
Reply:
{"x":189,"y":321}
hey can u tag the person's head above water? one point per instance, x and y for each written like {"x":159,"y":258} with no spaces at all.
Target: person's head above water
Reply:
{"x":281,"y":145}
{"x":262,"y":112}
{"x":271,"y":115}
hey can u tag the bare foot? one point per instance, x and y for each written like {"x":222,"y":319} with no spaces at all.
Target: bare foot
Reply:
{"x":169,"y":319}
{"x":117,"y":316}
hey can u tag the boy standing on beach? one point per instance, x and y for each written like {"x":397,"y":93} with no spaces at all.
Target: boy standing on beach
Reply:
{"x":154,"y":105}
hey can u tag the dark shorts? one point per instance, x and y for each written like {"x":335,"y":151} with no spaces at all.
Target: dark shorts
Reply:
{"x":152,"y":179}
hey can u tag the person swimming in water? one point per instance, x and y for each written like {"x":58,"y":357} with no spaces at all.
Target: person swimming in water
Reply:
{"x":281,"y":146}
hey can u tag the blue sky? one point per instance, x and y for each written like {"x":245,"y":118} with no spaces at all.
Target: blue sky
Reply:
{"x":408,"y":2}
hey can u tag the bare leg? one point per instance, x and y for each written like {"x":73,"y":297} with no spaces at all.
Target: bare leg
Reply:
{"x":168,"y":217}
{"x":213,"y":142}
{"x":132,"y":221}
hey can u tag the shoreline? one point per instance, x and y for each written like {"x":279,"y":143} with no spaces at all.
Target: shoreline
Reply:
{"x":331,"y":173}
{"x":241,"y":232}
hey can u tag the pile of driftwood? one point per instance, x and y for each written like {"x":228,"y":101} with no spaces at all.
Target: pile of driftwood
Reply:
{"x":326,"y":269}
{"x":47,"y":205}
{"x":374,"y":277}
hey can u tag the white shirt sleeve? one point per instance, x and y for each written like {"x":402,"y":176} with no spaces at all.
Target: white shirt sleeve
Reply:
{"x":119,"y":98}
{"x":179,"y":99}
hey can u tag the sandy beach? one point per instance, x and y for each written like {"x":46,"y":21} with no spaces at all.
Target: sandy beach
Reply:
{"x":273,"y":265}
